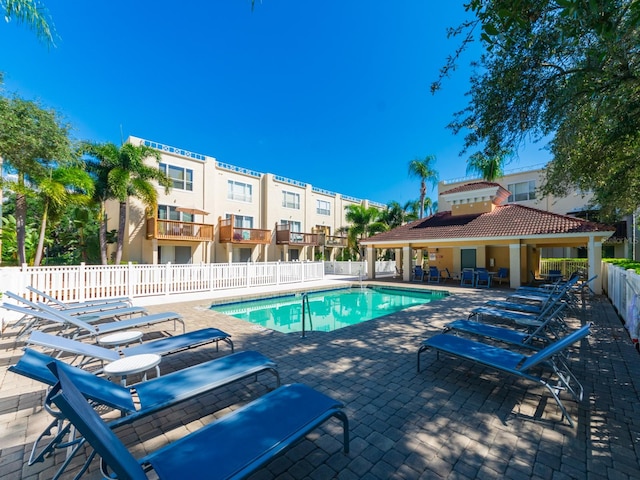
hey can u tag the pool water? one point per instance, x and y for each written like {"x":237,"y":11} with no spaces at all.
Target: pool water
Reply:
{"x":327,"y":310}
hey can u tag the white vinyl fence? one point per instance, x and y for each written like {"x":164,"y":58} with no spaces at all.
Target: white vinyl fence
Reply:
{"x":623,"y":289}
{"x":83,"y":282}
{"x":358,"y":268}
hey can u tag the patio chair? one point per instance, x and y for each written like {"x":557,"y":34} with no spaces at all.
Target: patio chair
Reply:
{"x":165,"y":346}
{"x":467,"y":278}
{"x":231,"y":447}
{"x":483,"y":279}
{"x":89,"y":304}
{"x":449,"y":276}
{"x":503,"y":274}
{"x":554,"y":275}
{"x":79,"y":327}
{"x":93,"y":314}
{"x":533,"y":335}
{"x":418,"y":274}
{"x":141,"y":399}
{"x":557,"y":377}
{"x":434,"y":275}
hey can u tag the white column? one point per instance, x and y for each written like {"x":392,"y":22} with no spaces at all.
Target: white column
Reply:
{"x":514,"y":265}
{"x":371,"y":263}
{"x":406,"y":263}
{"x":594,"y":254}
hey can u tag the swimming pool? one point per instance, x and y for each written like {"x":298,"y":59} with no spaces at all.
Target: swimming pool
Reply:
{"x":327,"y":310}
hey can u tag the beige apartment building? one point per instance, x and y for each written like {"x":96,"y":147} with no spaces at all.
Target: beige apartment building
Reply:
{"x":522,"y":185}
{"x":220,"y":213}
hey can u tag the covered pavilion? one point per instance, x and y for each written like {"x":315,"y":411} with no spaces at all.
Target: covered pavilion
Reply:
{"x":480,"y":231}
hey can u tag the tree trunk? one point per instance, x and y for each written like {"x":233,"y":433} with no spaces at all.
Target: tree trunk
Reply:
{"x":121,"y":224}
{"x":21,"y":215}
{"x":103,"y":236}
{"x":43,"y":231}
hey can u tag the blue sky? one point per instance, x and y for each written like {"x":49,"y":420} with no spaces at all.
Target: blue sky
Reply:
{"x":332,"y":93}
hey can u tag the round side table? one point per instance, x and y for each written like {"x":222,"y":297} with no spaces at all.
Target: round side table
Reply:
{"x":120,"y":338}
{"x":133,"y":364}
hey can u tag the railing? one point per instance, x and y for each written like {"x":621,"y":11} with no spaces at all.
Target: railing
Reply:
{"x":175,"y":230}
{"x":231,"y":234}
{"x":333,"y":241}
{"x":84,"y":282}
{"x":567,"y":266}
{"x":623,"y":289}
{"x":285,"y":236}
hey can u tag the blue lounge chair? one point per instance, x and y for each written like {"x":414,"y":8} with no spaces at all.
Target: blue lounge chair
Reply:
{"x":503,"y":274}
{"x":518,"y":364}
{"x":152,"y":395}
{"x":232,"y":447}
{"x":434,"y":275}
{"x":163,"y":346}
{"x":89,"y":304}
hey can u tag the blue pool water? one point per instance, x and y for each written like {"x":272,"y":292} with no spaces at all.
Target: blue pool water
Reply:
{"x":328,"y":310}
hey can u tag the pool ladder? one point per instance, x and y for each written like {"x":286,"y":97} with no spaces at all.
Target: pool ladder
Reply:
{"x":305,"y":301}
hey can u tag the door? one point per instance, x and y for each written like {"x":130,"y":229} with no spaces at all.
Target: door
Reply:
{"x":467,"y":258}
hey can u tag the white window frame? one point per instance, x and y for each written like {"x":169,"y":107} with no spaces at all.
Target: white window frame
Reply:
{"x":323,"y":207}
{"x":522,"y":196}
{"x":239,"y":191}
{"x":241,"y":221}
{"x":183,"y":181}
{"x":291,"y":200}
{"x":170,"y":213}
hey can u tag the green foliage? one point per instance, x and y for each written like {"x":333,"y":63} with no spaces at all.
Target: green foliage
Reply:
{"x":31,"y":13}
{"x":625,"y":263}
{"x":425,"y":171}
{"x":566,"y":70}
{"x":10,"y":242}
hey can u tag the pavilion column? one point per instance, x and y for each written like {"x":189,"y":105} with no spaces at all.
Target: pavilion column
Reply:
{"x":406,"y":263}
{"x":371,"y":262}
{"x":514,"y":265}
{"x":594,"y":254}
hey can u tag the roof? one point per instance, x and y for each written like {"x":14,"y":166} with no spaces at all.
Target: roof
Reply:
{"x":510,"y":220}
{"x":467,"y":187}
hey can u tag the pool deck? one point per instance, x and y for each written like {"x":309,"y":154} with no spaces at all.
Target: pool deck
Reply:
{"x":454,"y":420}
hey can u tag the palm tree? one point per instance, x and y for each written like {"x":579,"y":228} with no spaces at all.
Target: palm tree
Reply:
{"x":427,"y":174}
{"x":393,"y":216}
{"x":31,"y":139}
{"x":65,"y":186}
{"x":411,"y":210}
{"x":489,"y":168}
{"x":31,"y":13}
{"x":364,"y":223}
{"x":121,"y":173}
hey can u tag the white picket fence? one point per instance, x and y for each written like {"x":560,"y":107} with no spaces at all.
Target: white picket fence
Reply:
{"x":83,"y":282}
{"x":623,"y":289}
{"x":358,"y":268}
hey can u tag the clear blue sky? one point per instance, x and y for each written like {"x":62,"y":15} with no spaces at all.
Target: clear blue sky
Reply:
{"x":332,"y":93}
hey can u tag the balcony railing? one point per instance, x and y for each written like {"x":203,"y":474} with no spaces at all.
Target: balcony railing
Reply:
{"x":175,"y":230}
{"x":231,"y":234}
{"x":333,"y":241}
{"x":285,"y":236}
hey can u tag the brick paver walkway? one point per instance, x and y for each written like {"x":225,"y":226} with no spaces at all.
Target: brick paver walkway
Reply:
{"x":453,"y":420}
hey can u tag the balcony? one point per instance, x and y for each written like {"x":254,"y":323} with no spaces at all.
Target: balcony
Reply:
{"x":284,"y":236}
{"x":231,"y":234}
{"x":333,"y":241}
{"x":176,"y":230}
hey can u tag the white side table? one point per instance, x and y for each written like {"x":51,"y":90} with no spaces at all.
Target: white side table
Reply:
{"x":120,"y":338}
{"x":133,"y":364}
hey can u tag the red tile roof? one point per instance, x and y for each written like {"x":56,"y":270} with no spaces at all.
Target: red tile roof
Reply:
{"x":505,"y":221}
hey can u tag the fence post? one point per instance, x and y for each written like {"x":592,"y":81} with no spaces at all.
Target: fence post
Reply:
{"x":167,"y":275}
{"x":211,"y":277}
{"x":278,"y":273}
{"x":130,"y":280}
{"x":82,"y":283}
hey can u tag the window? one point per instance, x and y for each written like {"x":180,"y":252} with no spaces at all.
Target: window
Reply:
{"x":181,"y":178}
{"x":241,"y":221}
{"x":522,"y":191}
{"x":323,"y":207}
{"x":166,"y":212}
{"x":291,"y":200}
{"x":293,"y":226}
{"x":239,"y":191}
